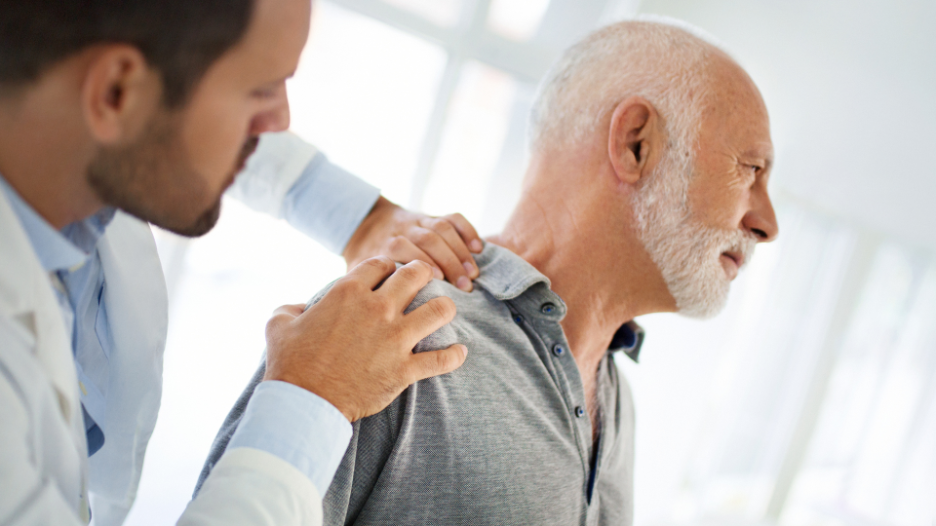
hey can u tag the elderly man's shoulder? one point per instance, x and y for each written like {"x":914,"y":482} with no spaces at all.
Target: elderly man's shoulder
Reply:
{"x":472,"y":309}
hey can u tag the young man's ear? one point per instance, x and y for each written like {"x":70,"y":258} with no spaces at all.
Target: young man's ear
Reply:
{"x":119,"y":94}
{"x":634,"y":139}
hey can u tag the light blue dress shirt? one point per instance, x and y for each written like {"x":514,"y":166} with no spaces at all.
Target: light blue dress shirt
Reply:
{"x":326,"y":203}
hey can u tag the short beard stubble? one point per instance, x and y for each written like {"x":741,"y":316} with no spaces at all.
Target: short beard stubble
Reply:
{"x":153,"y":180}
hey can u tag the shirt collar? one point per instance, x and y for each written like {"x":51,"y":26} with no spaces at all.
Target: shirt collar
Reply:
{"x":507,"y":276}
{"x":58,"y":250}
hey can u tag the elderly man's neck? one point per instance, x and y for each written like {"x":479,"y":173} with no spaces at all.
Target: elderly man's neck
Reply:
{"x":580,"y":237}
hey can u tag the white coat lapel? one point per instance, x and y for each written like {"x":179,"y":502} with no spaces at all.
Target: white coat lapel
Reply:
{"x":137,"y":311}
{"x":27,"y":297}
{"x":28,"y":300}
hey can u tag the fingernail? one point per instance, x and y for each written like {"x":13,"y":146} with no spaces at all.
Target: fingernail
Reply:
{"x":476,"y":246}
{"x":437,"y":273}
{"x":465,"y":350}
{"x":469,"y":268}
{"x":464,"y":283}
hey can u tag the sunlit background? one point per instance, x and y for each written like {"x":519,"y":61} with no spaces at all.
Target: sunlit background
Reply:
{"x":810,"y":401}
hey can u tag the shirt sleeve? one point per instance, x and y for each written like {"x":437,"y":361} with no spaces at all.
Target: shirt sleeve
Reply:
{"x":297,"y":426}
{"x":250,"y":487}
{"x":290,"y":179}
{"x":328,"y":203}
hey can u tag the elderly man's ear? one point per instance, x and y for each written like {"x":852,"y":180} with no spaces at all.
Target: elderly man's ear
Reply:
{"x":635,"y":139}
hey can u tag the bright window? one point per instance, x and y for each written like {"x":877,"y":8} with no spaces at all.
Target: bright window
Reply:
{"x":472,"y":140}
{"x":517,"y":19}
{"x":873,"y":457}
{"x":441,"y":12}
{"x":364,"y":94}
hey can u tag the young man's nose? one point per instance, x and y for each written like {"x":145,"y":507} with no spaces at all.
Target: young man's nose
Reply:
{"x":273,"y":119}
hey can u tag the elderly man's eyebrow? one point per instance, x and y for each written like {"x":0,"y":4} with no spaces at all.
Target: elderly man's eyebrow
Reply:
{"x":762,"y":156}
{"x":765,"y":170}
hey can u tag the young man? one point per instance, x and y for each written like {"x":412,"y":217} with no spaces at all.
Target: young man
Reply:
{"x":118,"y":114}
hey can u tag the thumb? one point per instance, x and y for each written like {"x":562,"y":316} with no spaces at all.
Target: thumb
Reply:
{"x":433,"y":363}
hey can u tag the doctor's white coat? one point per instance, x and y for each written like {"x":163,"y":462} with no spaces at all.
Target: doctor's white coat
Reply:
{"x":44,"y":468}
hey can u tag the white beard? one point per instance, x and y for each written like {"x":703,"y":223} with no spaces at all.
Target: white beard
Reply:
{"x":686,"y":251}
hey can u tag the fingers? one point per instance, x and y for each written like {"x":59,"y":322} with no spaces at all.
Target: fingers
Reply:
{"x":466,"y":231}
{"x":430,"y":317}
{"x":444,"y":255}
{"x":403,"y":250}
{"x":371,"y":272}
{"x":406,"y":282}
{"x":433,"y":363}
{"x":455,"y":243}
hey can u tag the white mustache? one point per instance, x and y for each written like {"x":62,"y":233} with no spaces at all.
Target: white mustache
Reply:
{"x":743,"y":243}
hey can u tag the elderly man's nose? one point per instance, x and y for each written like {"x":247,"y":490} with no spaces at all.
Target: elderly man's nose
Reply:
{"x":761,"y":219}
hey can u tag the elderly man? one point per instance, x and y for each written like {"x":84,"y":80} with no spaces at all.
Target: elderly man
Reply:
{"x":646,"y":192}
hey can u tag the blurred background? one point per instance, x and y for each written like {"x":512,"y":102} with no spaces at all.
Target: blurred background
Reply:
{"x":810,"y":401}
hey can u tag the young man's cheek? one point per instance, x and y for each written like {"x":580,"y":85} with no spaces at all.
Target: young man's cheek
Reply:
{"x":214,"y":139}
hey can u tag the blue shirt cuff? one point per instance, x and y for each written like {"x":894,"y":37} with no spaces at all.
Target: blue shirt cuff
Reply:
{"x":328,"y":203}
{"x":296,"y":426}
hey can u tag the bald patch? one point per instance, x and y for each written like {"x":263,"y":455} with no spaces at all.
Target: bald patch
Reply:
{"x":667,"y":62}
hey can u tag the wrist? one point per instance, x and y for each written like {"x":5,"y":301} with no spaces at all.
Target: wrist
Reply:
{"x":320,"y":391}
{"x":379,"y":215}
{"x":297,"y":426}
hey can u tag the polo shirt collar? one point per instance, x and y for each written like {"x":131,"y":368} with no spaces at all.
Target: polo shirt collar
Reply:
{"x":629,"y":340}
{"x":58,"y":250}
{"x":507,"y":276}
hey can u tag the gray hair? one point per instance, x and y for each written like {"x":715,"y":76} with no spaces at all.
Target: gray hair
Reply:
{"x":660,"y":59}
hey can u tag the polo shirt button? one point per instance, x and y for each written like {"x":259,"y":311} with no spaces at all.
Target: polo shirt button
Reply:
{"x":548,"y":308}
{"x":579,"y":412}
{"x":518,"y":319}
{"x":558,"y":350}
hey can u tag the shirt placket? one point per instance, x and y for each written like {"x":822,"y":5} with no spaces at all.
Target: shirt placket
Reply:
{"x":540,"y":312}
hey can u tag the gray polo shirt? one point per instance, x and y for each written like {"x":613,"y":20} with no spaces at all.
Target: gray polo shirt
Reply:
{"x":505,"y":439}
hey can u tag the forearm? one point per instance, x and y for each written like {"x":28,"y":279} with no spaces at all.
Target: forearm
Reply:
{"x":296,"y":426}
{"x":290,"y":179}
{"x":380,"y":214}
{"x":252,"y":487}
{"x":329,"y":204}
{"x":286,"y":445}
